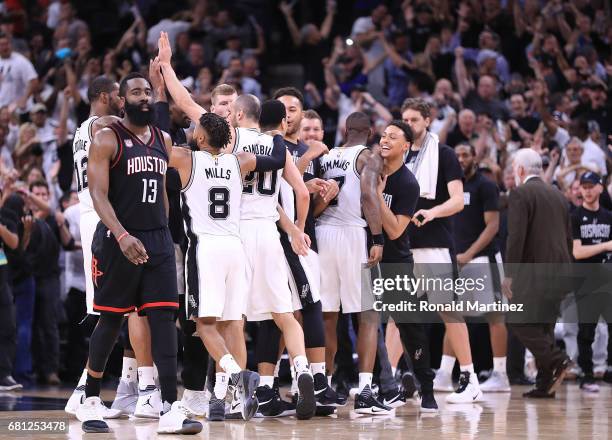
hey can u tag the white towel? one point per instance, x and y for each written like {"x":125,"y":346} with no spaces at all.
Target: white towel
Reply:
{"x":425,"y":167}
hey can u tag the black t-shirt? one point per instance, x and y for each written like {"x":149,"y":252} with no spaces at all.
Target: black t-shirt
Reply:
{"x":480,"y":195}
{"x":527,"y":123}
{"x":44,"y":248}
{"x":439,"y":232}
{"x":297,"y":150}
{"x":11,"y":225}
{"x":592,"y":227}
{"x":401,"y":195}
{"x":457,"y":137}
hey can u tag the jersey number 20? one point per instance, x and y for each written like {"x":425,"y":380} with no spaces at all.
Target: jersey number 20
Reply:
{"x":261,"y":183}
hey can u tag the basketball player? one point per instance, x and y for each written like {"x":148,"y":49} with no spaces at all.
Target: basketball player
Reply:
{"x":305,"y":271}
{"x":343,"y":249}
{"x":478,"y":257}
{"x":398,"y":196}
{"x":216,"y":274}
{"x":132,"y":251}
{"x":269,"y":287}
{"x":431,"y":236}
{"x":105,"y":107}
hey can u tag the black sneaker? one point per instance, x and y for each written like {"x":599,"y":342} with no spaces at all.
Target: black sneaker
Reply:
{"x":246,"y":383}
{"x":324,"y":394}
{"x":408,"y":385}
{"x":393,"y":399}
{"x":216,"y":409}
{"x":428,"y":402}
{"x":365,"y":403}
{"x":7,"y":383}
{"x":271,"y":404}
{"x":306,"y":404}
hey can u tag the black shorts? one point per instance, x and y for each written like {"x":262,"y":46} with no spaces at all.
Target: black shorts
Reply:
{"x":121,"y":286}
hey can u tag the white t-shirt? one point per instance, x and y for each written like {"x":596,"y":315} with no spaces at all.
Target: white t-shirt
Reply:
{"x":16,"y":72}
{"x":75,"y":273}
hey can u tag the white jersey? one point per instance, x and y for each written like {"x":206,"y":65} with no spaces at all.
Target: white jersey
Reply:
{"x":260,"y":191}
{"x":340,"y":164}
{"x":80,"y":155}
{"x":212,"y":198}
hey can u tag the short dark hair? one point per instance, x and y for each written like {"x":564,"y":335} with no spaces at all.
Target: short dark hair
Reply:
{"x":419,"y":105}
{"x":404,"y":127}
{"x":272,"y":114}
{"x":465,"y":144}
{"x":289,"y":91}
{"x":250,"y":105}
{"x":39,"y":183}
{"x":126,"y":78}
{"x":358,"y":121}
{"x":217,"y":130}
{"x":66,"y":197}
{"x":99,"y":85}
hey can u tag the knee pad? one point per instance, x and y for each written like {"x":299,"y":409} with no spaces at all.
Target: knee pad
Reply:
{"x":314,"y":330}
{"x":268,"y":342}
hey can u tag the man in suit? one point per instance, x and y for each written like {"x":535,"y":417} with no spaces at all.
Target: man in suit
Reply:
{"x":539,"y":231}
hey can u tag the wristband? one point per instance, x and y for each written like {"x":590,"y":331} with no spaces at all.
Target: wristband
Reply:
{"x":122,"y":236}
{"x":378,"y":240}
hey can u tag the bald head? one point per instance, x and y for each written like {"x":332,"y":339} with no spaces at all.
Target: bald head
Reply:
{"x":246,"y":108}
{"x":526,"y":162}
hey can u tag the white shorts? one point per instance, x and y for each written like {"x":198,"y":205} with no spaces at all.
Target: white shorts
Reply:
{"x":488,"y":290}
{"x":312,"y":270}
{"x":221,"y":270}
{"x":434,"y":264}
{"x":342,"y":255}
{"x":89,"y":222}
{"x":268,"y":280}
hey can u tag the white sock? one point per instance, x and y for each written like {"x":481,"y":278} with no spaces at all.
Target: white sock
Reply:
{"x":317,"y":368}
{"x":83,"y":378}
{"x":145,"y":377}
{"x":277,"y":368}
{"x":365,"y":379}
{"x":294,"y":386}
{"x":393,"y":371}
{"x":301,"y":365}
{"x":468,"y":367}
{"x":221,"y":385}
{"x":229,"y":365}
{"x":329,"y":378}
{"x":499,"y":364}
{"x":266,"y":380}
{"x":129,"y":370}
{"x":447,"y":364}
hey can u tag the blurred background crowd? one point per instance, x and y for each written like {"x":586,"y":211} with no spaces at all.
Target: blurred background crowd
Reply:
{"x":500,"y":74}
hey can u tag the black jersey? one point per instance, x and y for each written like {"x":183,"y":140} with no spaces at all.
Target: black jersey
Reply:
{"x":593,"y":227}
{"x":136,"y":180}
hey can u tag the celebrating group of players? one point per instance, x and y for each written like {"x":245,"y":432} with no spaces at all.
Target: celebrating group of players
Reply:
{"x":250,"y":187}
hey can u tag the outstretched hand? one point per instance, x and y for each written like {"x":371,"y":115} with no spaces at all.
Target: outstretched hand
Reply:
{"x":165,"y":50}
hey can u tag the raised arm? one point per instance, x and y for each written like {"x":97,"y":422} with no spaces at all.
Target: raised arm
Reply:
{"x":180,"y":95}
{"x":293,"y":28}
{"x":101,"y":153}
{"x":463,"y":82}
{"x":328,"y":22}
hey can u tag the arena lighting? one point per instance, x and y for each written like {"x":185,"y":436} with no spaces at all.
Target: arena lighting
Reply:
{"x":349,"y":42}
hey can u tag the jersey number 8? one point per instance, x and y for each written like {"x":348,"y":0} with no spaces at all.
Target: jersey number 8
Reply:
{"x":218,"y":207}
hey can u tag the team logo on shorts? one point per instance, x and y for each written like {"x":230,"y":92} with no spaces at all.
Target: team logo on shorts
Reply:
{"x":95,"y":272}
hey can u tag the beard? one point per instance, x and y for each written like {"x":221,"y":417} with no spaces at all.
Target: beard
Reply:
{"x":137,"y":116}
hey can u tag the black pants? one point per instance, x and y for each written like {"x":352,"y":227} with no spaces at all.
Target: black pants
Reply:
{"x":416,"y":343}
{"x":78,"y":332}
{"x":345,"y":366}
{"x":590,"y":307}
{"x":516,"y":356}
{"x":46,"y":331}
{"x":195,"y":356}
{"x":8,"y":330}
{"x":540,"y":340}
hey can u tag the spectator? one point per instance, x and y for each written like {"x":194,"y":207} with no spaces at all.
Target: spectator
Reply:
{"x":18,"y":79}
{"x":464,"y":131}
{"x":46,"y":135}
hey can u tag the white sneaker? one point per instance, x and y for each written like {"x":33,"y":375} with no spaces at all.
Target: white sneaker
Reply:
{"x":496,"y":383}
{"x":90,"y":412}
{"x":468,"y":390}
{"x":443,"y":382}
{"x":196,"y":402}
{"x":75,"y":400}
{"x":174,"y":420}
{"x":126,"y":397}
{"x":149,"y":403}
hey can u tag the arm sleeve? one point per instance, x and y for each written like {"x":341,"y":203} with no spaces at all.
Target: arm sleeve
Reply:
{"x":490,"y":197}
{"x":162,"y":116}
{"x":276,"y":160}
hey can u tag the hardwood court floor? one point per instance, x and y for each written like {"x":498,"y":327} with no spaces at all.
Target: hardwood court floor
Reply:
{"x":572,"y":415}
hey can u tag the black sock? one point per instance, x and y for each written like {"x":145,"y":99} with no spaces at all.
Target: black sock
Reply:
{"x":92,"y":386}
